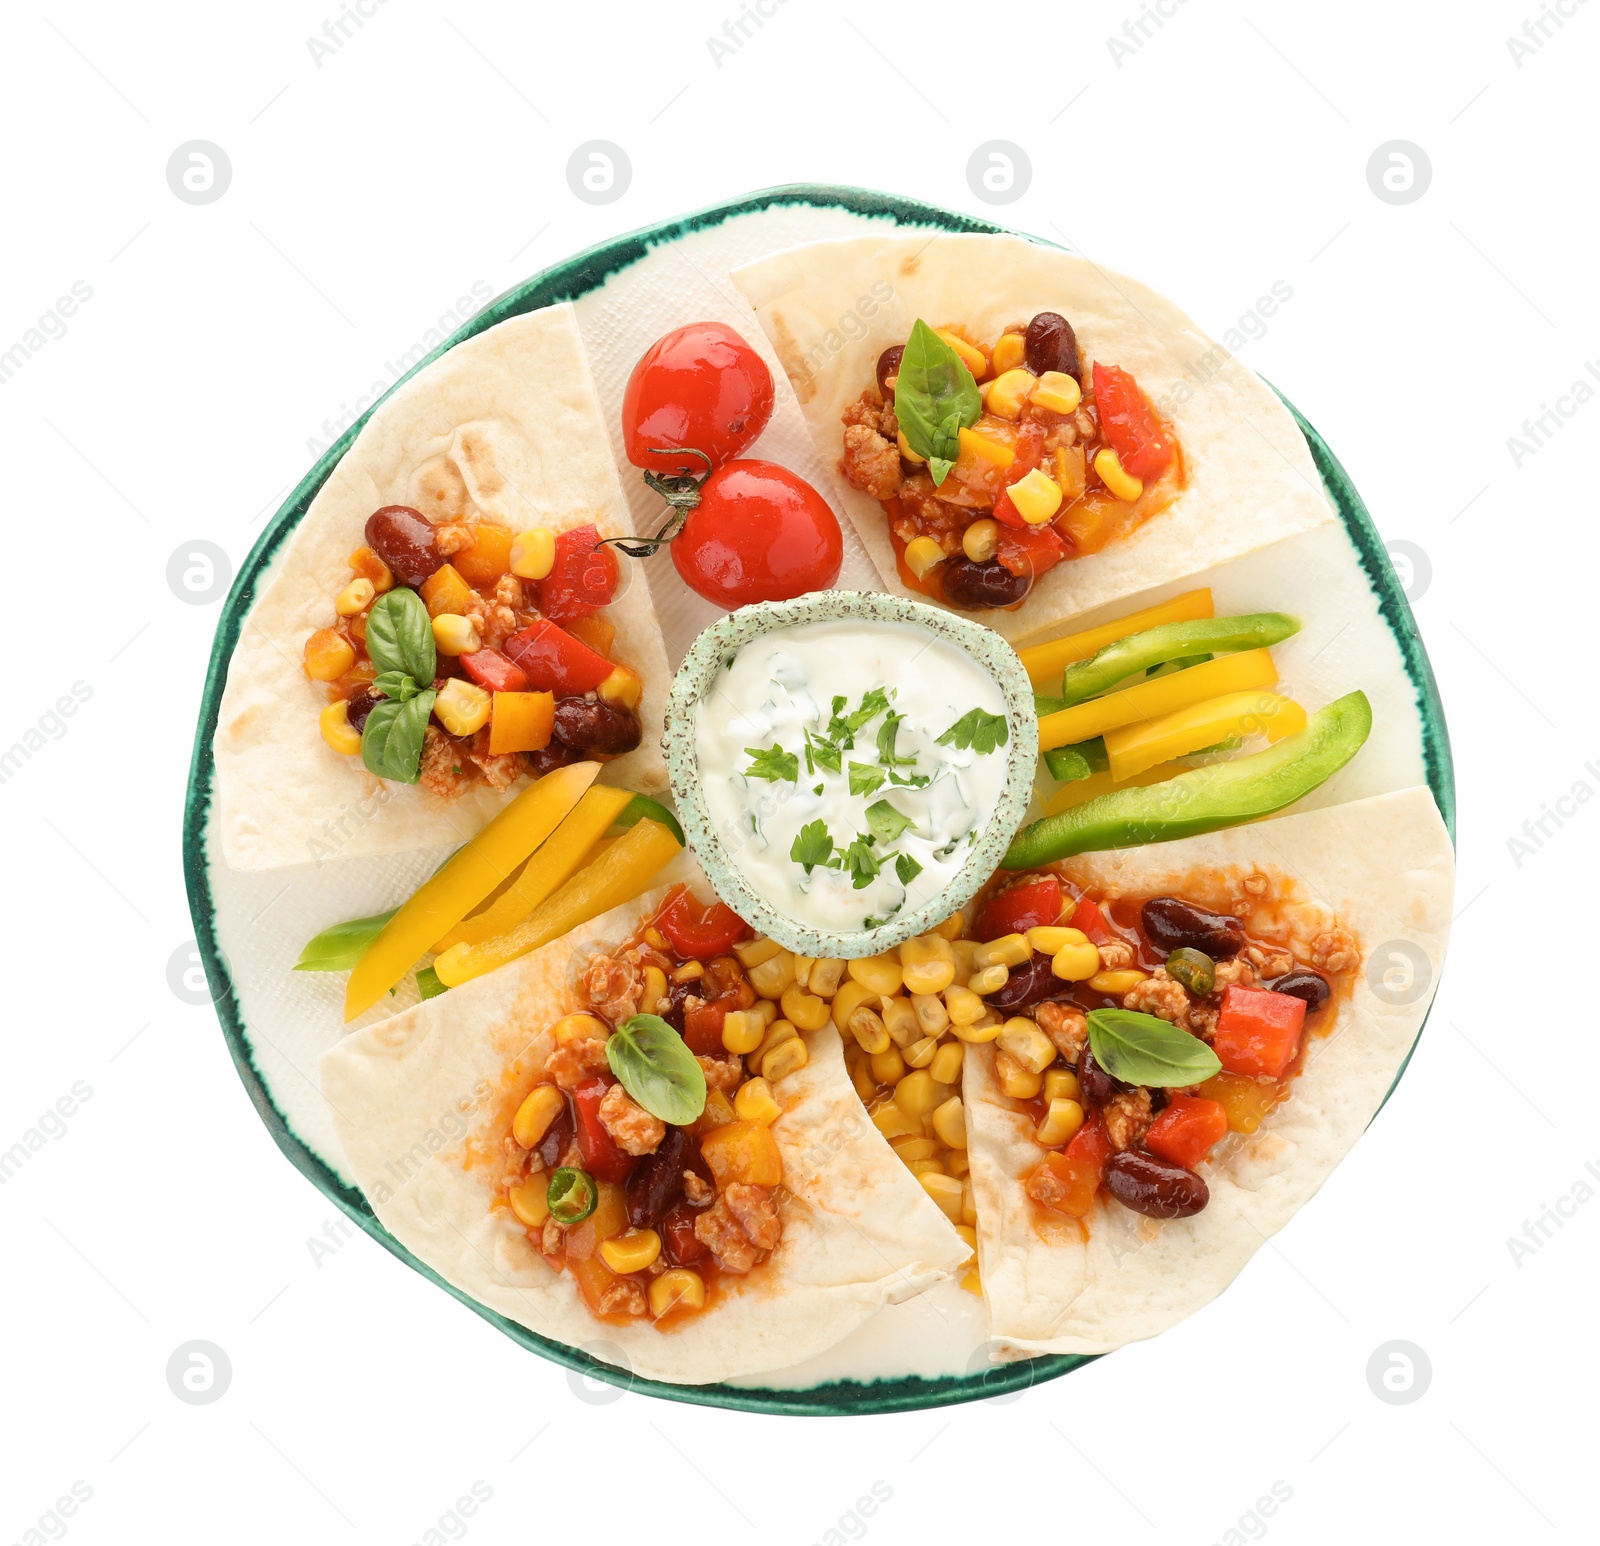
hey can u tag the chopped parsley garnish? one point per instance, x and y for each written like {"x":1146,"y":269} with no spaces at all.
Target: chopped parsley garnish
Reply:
{"x":822,"y":753}
{"x":861,"y":862}
{"x":913,"y":781}
{"x":887,"y":732}
{"x":980,"y":730}
{"x":906,"y":868}
{"x":774,"y":763}
{"x":864,"y":778}
{"x":812,"y":847}
{"x":886,"y":822}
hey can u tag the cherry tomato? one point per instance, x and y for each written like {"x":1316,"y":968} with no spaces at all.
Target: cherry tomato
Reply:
{"x":697,"y":933}
{"x":1142,"y":441}
{"x":1030,"y":551}
{"x":582,"y":579}
{"x":700,"y":388}
{"x":759,"y":533}
{"x":1029,"y":904}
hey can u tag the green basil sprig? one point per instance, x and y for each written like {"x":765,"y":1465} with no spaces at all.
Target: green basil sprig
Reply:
{"x":1141,"y":1049}
{"x":339,"y":948}
{"x":934,"y":397}
{"x":657,"y":1069}
{"x":400,"y":636}
{"x":391,"y":744}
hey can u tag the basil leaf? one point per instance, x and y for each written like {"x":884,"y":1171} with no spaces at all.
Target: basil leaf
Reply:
{"x":391,"y":744}
{"x":865,"y":779}
{"x":428,"y":984}
{"x":397,"y":685}
{"x":400,"y":635}
{"x":657,"y":1069}
{"x":640,"y":807}
{"x":339,"y":948}
{"x":934,"y":397}
{"x":1140,"y":1049}
{"x":885,"y":822}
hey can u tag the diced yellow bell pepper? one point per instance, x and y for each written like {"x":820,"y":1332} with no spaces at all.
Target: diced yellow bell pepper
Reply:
{"x":743,"y":1151}
{"x":619,"y":875}
{"x":1133,"y":748}
{"x":1046,"y":661}
{"x":521,"y":722}
{"x":554,"y":864}
{"x":442,"y":902}
{"x":980,"y":448}
{"x":1229,"y":673}
{"x":971,"y":355}
{"x":445,"y":591}
{"x":1097,"y":784}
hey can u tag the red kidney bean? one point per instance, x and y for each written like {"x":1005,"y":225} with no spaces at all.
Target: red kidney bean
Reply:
{"x":681,"y":1246}
{"x":1097,"y":1085}
{"x":889,"y":365}
{"x":1052,"y":345}
{"x":989,"y":584}
{"x":1171,"y":924}
{"x":406,"y":541}
{"x":558,"y":1136}
{"x":1031,"y":983}
{"x":1304,"y":984}
{"x":360,"y":704}
{"x":547,"y":759}
{"x":1154,"y":1187}
{"x":656,"y":1181}
{"x":590,"y":726}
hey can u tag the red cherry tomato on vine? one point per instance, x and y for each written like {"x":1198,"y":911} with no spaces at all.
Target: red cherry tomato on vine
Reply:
{"x":759,"y":533}
{"x":700,"y":388}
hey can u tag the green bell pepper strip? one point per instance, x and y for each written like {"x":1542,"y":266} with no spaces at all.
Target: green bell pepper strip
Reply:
{"x":1172,"y":641}
{"x":1071,"y":763}
{"x":642,"y":806}
{"x":428,"y":984}
{"x":1223,"y":794}
{"x":337,"y":949}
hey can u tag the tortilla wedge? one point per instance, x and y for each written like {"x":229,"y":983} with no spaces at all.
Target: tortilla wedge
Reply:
{"x":505,"y":428}
{"x":830,"y":308}
{"x":1382,"y":868}
{"x":422,"y":1100}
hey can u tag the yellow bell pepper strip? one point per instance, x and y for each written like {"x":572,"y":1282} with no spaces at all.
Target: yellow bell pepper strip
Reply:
{"x":552,"y":865}
{"x":1097,"y":784}
{"x":620,"y":874}
{"x":1160,"y":695}
{"x":483,"y":862}
{"x":1047,"y":661}
{"x":1133,"y":748}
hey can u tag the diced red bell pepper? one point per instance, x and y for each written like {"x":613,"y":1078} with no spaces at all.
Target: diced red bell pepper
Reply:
{"x":1068,"y":1181}
{"x":1141,"y":438}
{"x":702,"y":1025}
{"x":1258,"y":1031}
{"x":1029,"y":904}
{"x":491,"y":669}
{"x":582,"y":579}
{"x":1087,"y":920}
{"x":697,"y":933}
{"x":603,"y":1158}
{"x":1186,"y":1130}
{"x":680,"y":1244}
{"x":1030,"y":550}
{"x":553,"y":661}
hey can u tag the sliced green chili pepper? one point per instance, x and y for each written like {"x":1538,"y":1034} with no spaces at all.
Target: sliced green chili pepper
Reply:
{"x":641,"y":806}
{"x":1223,"y":794}
{"x":1173,"y":641}
{"x":1194,"y":969}
{"x":572,"y":1195}
{"x":1070,"y":763}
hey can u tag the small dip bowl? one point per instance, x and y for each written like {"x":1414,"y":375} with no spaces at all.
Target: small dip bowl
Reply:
{"x":706,"y":658}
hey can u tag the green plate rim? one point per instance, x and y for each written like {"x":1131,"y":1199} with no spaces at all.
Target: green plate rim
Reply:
{"x":567,"y":281}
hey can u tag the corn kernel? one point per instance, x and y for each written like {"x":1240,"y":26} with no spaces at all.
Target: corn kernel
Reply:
{"x":1061,"y":1121}
{"x":878,"y":974}
{"x":657,"y":940}
{"x":766,"y":1009}
{"x":677,"y":1290}
{"x":981,"y":540}
{"x":1008,"y":392}
{"x":866,"y":1085}
{"x":806,"y":1010}
{"x":950,"y":1123}
{"x":946,"y":1064}
{"x":654,"y":990}
{"x":1116,"y":982}
{"x":463,"y":707}
{"x":542,"y":1106}
{"x":622,"y":688}
{"x":1014,"y":1080}
{"x":888,"y":1067}
{"x":989,"y":979}
{"x":923,"y":554}
{"x":850,"y":997}
{"x":1027,"y":1044}
{"x":971,"y":355}
{"x":963,"y":1005}
{"x":956,"y":1162}
{"x":910,"y":1149}
{"x":632,"y":1252}
{"x":337,"y":731}
{"x":770,"y":978}
{"x":963,"y":949}
{"x":1051,"y":939}
{"x":925,"y":1167}
{"x":892,"y":1122}
{"x":802,"y":970}
{"x":580,"y":1027}
{"x":752,"y":952}
{"x":742,"y":1032}
{"x":533,"y":553}
{"x":754,"y":1103}
{"x":1076,"y":962}
{"x":920,"y":1094}
{"x":906,"y":451}
{"x":690,"y":971}
{"x":328,"y":655}
{"x":718,"y":1113}
{"x":786,"y":1058}
{"x":1060,"y":1084}
{"x":920,"y":1053}
{"x":1058,"y":392}
{"x":778,"y":1032}
{"x":969,"y":1235}
{"x":946,"y":1191}
{"x":973,"y":1282}
{"x":933,"y":1019}
{"x":455,"y":635}
{"x":927,"y":964}
{"x":981,"y":1030}
{"x":1123,"y":484}
{"x":1008,"y":950}
{"x":869,"y":1031}
{"x":899,"y":1020}
{"x":825,"y":978}
{"x":1037,"y":496}
{"x":530,"y":1200}
{"x":1010,"y":350}
{"x":952,"y":928}
{"x":357,"y":596}
{"x":969,"y":1205}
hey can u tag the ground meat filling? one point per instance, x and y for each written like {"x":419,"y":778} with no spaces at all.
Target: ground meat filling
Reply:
{"x":740,"y":1227}
{"x":636,"y":1131}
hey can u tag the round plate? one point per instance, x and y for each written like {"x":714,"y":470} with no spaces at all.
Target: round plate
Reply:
{"x":576,"y":277}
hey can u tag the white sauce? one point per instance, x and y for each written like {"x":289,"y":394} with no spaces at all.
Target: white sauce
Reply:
{"x":781,"y":685}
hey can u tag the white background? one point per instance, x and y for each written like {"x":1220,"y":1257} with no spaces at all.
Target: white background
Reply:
{"x":1223,"y":154}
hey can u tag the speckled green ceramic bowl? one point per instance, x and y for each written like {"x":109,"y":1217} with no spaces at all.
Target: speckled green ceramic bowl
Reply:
{"x":706,"y":658}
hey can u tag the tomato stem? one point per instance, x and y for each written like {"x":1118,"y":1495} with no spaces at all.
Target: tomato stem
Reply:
{"x":681,"y":492}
